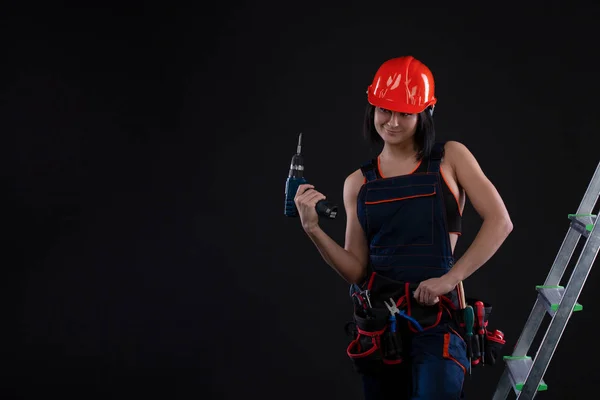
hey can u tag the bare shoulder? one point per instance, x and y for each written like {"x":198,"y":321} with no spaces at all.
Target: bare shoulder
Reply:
{"x":481,"y":191}
{"x":459,"y":157}
{"x":352,"y":185}
{"x":455,"y":149}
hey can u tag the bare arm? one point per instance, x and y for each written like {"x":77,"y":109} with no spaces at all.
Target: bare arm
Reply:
{"x":350,"y":262}
{"x":487,"y":202}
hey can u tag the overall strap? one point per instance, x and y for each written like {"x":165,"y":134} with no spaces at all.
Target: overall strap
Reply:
{"x":369,"y":170}
{"x":435,"y":159}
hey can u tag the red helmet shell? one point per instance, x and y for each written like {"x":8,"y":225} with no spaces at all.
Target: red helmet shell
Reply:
{"x":402,"y":84}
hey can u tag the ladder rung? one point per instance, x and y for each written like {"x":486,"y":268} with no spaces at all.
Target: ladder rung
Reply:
{"x":518,"y":369}
{"x":552,"y":296}
{"x":583,"y":223}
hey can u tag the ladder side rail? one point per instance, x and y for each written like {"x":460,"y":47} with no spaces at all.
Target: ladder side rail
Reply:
{"x":572,"y":292}
{"x":565,"y":309}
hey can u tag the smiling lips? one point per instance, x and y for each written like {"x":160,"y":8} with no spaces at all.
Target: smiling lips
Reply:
{"x":393,"y":132}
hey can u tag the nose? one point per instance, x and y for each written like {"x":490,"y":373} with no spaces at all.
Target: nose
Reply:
{"x":394,"y":119}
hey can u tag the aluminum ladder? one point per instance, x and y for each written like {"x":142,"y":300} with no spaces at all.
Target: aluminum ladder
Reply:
{"x":523,"y":374}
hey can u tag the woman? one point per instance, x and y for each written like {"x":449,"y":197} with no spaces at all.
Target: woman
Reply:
{"x":404,"y":212}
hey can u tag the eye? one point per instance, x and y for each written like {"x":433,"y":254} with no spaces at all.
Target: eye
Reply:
{"x":383,"y":110}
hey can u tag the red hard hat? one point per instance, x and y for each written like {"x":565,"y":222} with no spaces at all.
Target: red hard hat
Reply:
{"x":402,"y":84}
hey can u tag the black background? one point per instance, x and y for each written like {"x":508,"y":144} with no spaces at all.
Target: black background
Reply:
{"x":144,"y":157}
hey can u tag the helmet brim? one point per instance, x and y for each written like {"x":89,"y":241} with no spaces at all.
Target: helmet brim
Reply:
{"x":402,"y":108}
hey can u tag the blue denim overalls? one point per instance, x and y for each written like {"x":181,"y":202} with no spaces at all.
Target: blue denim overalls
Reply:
{"x":405,"y":223}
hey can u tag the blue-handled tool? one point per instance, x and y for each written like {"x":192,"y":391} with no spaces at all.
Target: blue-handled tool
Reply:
{"x":296,"y":178}
{"x":392,"y":349}
{"x":394,"y":310}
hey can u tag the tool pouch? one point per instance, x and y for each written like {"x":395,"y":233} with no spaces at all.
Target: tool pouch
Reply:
{"x":489,"y":349}
{"x":493,"y":346}
{"x":374,"y":346}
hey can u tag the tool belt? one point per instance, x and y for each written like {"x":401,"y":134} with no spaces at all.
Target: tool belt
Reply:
{"x":378,"y":338}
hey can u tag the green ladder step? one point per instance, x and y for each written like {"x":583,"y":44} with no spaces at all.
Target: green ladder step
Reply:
{"x":552,"y":296}
{"x":583,"y":223}
{"x":518,"y":368}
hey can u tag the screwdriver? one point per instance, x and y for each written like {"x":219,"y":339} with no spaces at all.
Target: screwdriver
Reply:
{"x":469,"y":320}
{"x":481,"y":329}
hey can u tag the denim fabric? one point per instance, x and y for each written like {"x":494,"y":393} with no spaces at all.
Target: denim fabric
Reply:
{"x":404,"y":220}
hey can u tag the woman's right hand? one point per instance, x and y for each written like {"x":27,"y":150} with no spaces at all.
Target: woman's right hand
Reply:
{"x":306,"y":199}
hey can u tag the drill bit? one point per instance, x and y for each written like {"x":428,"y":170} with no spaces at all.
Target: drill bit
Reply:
{"x":299,"y":149}
{"x":297,"y":164}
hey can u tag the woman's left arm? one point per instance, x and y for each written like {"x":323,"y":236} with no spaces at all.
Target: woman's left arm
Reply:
{"x":486,"y":200}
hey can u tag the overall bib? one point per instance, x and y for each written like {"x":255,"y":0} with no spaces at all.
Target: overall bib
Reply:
{"x":423,"y":357}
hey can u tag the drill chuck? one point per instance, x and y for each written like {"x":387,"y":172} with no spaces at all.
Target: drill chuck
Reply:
{"x":296,"y":167}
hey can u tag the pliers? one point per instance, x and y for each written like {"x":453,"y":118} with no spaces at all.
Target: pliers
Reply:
{"x":394,"y":310}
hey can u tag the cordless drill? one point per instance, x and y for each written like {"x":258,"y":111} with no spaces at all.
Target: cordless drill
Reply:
{"x":296,"y":178}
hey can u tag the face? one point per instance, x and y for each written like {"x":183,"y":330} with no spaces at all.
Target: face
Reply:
{"x":395,"y":127}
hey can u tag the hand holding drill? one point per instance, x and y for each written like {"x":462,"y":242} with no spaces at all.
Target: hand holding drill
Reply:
{"x":306,"y":200}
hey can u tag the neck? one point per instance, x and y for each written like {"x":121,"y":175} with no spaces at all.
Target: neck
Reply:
{"x":401,"y":151}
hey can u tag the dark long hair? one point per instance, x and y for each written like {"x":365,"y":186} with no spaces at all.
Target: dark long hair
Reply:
{"x":424,"y":136}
